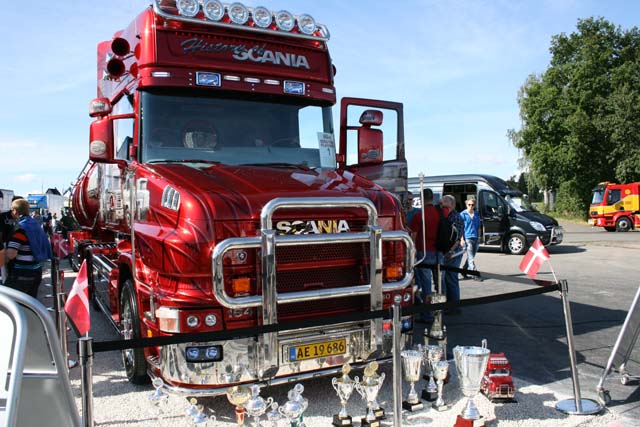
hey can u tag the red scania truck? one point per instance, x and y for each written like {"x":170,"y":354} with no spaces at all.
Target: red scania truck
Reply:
{"x":216,"y":199}
{"x":616,"y":207}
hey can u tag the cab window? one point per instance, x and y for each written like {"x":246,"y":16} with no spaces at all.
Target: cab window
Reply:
{"x":613,"y":196}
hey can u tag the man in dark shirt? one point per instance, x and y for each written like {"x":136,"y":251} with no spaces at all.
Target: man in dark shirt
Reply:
{"x":27,"y":248}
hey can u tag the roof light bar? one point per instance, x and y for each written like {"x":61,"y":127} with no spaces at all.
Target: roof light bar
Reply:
{"x":237,"y":14}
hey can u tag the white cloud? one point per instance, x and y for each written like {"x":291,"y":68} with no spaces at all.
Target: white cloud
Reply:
{"x":26,"y":178}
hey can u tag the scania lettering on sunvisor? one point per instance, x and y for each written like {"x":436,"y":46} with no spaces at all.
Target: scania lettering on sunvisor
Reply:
{"x":312,"y":227}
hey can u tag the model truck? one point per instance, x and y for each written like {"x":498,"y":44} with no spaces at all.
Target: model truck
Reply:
{"x":616,"y":207}
{"x":215,"y":198}
{"x":497,"y":382}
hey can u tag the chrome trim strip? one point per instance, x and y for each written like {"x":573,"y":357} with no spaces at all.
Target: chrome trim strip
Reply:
{"x":323,"y":28}
{"x":375,"y":274}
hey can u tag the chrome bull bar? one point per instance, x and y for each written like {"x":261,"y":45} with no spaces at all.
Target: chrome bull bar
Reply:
{"x":268,"y":241}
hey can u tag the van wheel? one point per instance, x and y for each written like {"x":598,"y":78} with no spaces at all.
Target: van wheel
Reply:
{"x":133,"y":359}
{"x":623,"y":224}
{"x":517,"y":244}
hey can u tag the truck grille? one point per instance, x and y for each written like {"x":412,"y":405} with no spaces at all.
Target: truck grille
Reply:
{"x":320,"y":267}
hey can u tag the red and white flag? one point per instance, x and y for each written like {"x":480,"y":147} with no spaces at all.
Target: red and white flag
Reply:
{"x":77,"y":305}
{"x":534,"y":258}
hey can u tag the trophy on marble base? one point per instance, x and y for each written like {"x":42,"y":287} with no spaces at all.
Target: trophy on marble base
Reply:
{"x":440,"y":370}
{"x":432,"y":354}
{"x":344,"y":386}
{"x":471,"y":363}
{"x":368,"y":388}
{"x":411,"y":363}
{"x":239,"y":395}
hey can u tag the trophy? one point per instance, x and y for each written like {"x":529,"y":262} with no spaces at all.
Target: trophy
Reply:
{"x":411,"y":364}
{"x":239,"y":395}
{"x":344,"y":386}
{"x":273,"y":416}
{"x":159,"y":398}
{"x":440,"y":370}
{"x":294,"y":407}
{"x":256,"y":406}
{"x":433,"y":354}
{"x":368,"y":388}
{"x":471,"y":363}
{"x":192,"y":407}
{"x":297,"y":396}
{"x":378,"y":411}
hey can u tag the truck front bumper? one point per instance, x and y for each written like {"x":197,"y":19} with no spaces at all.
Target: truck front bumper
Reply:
{"x":241,"y":359}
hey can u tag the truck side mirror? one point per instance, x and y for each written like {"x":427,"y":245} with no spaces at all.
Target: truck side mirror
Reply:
{"x":370,"y":140}
{"x":101,"y":141}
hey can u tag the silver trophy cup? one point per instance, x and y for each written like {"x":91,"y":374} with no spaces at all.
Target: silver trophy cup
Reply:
{"x":256,"y":406}
{"x":440,"y":370}
{"x":432,"y":354}
{"x":411,"y":366}
{"x":344,"y":386}
{"x":471,"y":363}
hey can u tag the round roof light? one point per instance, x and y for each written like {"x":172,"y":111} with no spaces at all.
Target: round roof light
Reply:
{"x":238,"y":13}
{"x":285,"y":20}
{"x":262,"y":17}
{"x":188,"y":8}
{"x":213,"y":10}
{"x":306,"y":24}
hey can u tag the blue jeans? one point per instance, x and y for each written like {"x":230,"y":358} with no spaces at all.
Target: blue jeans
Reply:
{"x":424,"y":277}
{"x":451,"y":284}
{"x":472,"y":250}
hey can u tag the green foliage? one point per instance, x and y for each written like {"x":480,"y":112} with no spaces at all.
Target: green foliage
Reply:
{"x":581,"y":117}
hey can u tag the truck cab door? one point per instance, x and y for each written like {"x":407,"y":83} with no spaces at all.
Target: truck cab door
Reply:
{"x":372,"y":143}
{"x":493,"y":212}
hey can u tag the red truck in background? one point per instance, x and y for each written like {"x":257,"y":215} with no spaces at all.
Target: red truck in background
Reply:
{"x":616,"y":207}
{"x":497,"y":382}
{"x":215,"y":198}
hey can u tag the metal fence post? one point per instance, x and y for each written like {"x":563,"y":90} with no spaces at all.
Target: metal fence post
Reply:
{"x":397,"y":364}
{"x":577,"y":405}
{"x":86,"y":362}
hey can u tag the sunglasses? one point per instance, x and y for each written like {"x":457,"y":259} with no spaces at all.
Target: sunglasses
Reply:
{"x":470,"y":204}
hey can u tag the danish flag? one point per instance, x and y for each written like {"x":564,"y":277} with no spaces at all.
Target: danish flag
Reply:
{"x":534,"y":258}
{"x":77,"y":305}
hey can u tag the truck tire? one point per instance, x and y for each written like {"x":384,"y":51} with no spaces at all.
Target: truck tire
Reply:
{"x":516,"y":244}
{"x":133,"y":359}
{"x":623,"y":224}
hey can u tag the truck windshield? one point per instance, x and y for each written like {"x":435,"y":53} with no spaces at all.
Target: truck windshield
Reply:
{"x":192,"y":128}
{"x":520,"y":204}
{"x":598,"y":196}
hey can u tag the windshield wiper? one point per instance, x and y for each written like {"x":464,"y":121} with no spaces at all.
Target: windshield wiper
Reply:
{"x":282,"y":165}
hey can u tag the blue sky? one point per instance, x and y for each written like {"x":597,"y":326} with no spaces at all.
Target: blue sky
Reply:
{"x":456,"y":65}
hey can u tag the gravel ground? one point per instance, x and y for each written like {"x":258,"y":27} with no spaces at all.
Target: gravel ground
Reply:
{"x":118,"y":403}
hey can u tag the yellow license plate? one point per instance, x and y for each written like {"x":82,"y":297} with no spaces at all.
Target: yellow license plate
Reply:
{"x":318,"y":349}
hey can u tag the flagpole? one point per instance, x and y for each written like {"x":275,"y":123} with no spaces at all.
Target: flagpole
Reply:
{"x":577,"y":405}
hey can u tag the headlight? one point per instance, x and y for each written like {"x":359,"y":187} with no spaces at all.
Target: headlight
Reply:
{"x":193,"y":321}
{"x":238,"y":13}
{"x":213,"y":10}
{"x":262,"y":17}
{"x":537,"y":226}
{"x":306,"y":24}
{"x":210,"y":320}
{"x":188,"y":8}
{"x":285,"y":20}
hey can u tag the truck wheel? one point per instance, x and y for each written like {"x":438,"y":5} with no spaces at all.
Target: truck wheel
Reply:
{"x":623,"y":224}
{"x":610,"y":229}
{"x":517,"y":244}
{"x":133,"y":359}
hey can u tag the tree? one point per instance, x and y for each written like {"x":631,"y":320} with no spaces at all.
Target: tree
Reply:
{"x":581,"y":117}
